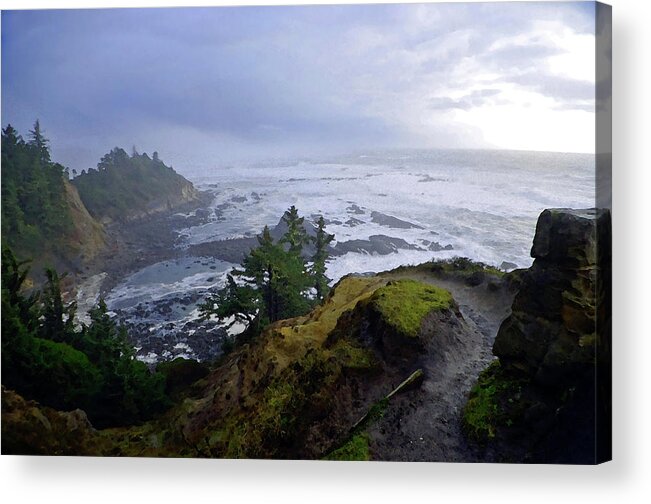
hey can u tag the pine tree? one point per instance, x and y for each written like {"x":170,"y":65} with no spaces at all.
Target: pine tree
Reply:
{"x":295,"y":236}
{"x":272,"y":284}
{"x":10,"y":138}
{"x":321,"y":242}
{"x":14,"y":274}
{"x":58,"y":317}
{"x":40,"y":143}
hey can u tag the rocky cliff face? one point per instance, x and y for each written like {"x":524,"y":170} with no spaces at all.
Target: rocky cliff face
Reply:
{"x":554,"y":349}
{"x":88,"y":237}
{"x":31,"y":429}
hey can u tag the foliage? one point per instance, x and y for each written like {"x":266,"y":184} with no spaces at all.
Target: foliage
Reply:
{"x":58,"y":318}
{"x":274,"y":281}
{"x":35,"y":214}
{"x":355,"y":449}
{"x":44,"y":357}
{"x":404,"y":304}
{"x":124,"y":185}
{"x":291,"y":400}
{"x":486,"y":409}
{"x":321,"y":242}
{"x":180,"y":373}
{"x":295,"y":236}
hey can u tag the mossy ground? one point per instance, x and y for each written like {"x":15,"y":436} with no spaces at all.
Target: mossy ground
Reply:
{"x":493,"y":403}
{"x":355,"y":449}
{"x":291,"y":339}
{"x":404,"y":303}
{"x":356,"y":446}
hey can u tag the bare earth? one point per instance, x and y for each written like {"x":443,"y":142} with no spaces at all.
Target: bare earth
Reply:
{"x":425,"y":424}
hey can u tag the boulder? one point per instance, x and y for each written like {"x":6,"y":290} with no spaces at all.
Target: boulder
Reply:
{"x":551,"y":334}
{"x":556,"y":346}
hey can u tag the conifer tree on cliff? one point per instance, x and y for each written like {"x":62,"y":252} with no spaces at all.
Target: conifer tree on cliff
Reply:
{"x":38,"y":141}
{"x":295,"y":237}
{"x":272,"y":284}
{"x":321,"y":242}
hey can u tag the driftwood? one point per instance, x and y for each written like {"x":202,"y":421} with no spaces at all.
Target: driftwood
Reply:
{"x":414,"y":378}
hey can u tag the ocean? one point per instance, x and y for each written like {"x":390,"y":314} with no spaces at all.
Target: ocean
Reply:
{"x":480,"y":204}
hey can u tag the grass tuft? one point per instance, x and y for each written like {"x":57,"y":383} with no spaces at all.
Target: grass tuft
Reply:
{"x":404,"y":303}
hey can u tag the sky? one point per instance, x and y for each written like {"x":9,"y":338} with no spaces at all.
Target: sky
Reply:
{"x":210,"y":86}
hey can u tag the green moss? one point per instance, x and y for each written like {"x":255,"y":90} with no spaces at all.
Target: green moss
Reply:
{"x":352,"y":356}
{"x":377,"y":411}
{"x":404,"y":303}
{"x":492,"y":403}
{"x":356,"y":448}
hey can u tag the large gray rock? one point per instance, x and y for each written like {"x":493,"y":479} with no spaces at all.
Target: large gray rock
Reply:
{"x":559,"y":314}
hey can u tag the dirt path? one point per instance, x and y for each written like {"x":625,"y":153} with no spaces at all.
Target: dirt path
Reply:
{"x":425,"y":424}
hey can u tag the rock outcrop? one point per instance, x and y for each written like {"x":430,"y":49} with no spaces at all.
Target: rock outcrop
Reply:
{"x":124,"y":187}
{"x":31,"y":429}
{"x":554,"y":349}
{"x":88,"y":237}
{"x":552,"y":332}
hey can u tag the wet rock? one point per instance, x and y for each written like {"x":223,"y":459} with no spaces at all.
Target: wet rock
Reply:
{"x":354,"y":209}
{"x":556,"y":345}
{"x":551,"y":332}
{"x":352,"y":222}
{"x":393,"y":222}
{"x":376,"y":244}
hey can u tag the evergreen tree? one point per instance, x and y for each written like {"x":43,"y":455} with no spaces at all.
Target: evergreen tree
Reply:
{"x":46,"y":359}
{"x":41,"y":144}
{"x":272,"y":284}
{"x":321,"y":242}
{"x":10,"y":138}
{"x":35,"y":215}
{"x":58,"y":317}
{"x":14,"y":274}
{"x":295,"y":236}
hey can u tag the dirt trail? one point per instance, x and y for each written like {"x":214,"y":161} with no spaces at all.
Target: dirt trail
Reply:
{"x":425,"y":424}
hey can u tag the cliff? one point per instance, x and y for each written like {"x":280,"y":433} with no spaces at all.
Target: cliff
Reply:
{"x":537,"y":402}
{"x":128,"y":187}
{"x":88,"y":237}
{"x":43,"y":218}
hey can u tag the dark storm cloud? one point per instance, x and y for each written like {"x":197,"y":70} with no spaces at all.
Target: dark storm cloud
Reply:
{"x":240,"y":81}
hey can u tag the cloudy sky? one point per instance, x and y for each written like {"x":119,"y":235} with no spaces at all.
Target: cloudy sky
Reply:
{"x":211,"y":85}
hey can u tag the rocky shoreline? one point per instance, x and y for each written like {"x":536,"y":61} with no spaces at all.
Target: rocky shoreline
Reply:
{"x":163,"y":329}
{"x":137,"y":244}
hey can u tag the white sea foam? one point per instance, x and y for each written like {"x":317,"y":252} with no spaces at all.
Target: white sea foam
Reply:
{"x":483,"y":203}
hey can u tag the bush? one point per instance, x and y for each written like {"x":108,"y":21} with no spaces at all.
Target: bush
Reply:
{"x":93,"y":368}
